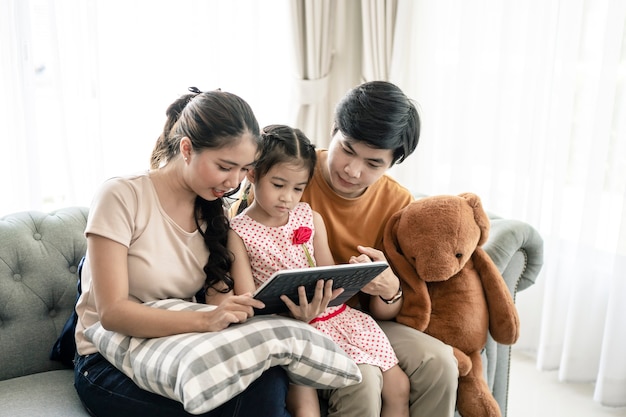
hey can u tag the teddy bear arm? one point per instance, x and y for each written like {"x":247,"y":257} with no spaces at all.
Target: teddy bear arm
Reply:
{"x":503,"y":317}
{"x":464,"y":362}
{"x":416,"y":304}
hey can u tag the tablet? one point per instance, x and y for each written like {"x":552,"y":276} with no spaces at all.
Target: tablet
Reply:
{"x":350,"y":277}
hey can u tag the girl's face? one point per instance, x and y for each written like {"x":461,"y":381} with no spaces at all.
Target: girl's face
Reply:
{"x":277,"y":193}
{"x":352,"y":166}
{"x":213,"y":172}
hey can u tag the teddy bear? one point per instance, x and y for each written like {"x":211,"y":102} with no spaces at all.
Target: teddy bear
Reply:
{"x":452,"y":289}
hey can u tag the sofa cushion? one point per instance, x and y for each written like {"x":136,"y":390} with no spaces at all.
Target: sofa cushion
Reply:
{"x":39,"y":255}
{"x":47,"y":393}
{"x":204,"y":370}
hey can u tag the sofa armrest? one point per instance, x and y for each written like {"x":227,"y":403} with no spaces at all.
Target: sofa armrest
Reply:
{"x":517,"y":250}
{"x":39,"y":256}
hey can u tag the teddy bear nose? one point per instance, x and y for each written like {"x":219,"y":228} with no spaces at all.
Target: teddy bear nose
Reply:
{"x":459,"y":255}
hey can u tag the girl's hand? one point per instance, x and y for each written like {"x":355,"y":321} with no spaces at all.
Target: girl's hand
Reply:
{"x":232,"y":309}
{"x":307,"y":311}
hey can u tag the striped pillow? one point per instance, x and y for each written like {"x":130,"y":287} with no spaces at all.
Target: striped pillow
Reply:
{"x":204,"y":370}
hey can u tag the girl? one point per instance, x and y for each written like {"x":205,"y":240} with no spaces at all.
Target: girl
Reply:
{"x":262,"y":241}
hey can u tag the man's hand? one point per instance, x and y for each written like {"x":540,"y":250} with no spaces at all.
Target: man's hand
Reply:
{"x":386,"y":284}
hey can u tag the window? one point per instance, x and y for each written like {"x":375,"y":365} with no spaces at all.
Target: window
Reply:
{"x":90,"y":81}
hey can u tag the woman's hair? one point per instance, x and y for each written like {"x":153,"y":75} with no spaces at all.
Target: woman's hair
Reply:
{"x":211,"y":120}
{"x":380,"y":115}
{"x":284,"y":144}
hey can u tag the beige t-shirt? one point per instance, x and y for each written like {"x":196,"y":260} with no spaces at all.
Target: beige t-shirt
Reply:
{"x":164,"y":261}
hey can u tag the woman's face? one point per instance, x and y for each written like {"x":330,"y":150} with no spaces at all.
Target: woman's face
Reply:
{"x":352,"y":166}
{"x":214,"y":172}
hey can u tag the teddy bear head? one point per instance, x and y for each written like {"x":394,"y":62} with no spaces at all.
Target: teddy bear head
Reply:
{"x":435,"y":236}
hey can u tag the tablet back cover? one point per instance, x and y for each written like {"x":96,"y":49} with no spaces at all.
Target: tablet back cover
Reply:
{"x":350,"y":277}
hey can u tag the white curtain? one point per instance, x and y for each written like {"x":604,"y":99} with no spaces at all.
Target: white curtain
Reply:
{"x":16,"y":94}
{"x":379,"y":19}
{"x":85,"y":83}
{"x":312,"y":24}
{"x":337,"y":45}
{"x":524,"y":103}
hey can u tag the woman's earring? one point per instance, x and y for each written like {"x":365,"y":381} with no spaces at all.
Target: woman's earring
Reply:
{"x":186,"y":159}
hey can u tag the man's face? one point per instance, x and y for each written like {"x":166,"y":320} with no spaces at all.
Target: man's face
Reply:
{"x":353,"y":166}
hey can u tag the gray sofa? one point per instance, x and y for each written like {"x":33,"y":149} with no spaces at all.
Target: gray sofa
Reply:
{"x":39,"y":255}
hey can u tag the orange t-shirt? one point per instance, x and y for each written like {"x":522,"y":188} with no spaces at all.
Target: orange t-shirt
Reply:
{"x":354,"y":221}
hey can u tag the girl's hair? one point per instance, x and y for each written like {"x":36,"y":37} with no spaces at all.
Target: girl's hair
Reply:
{"x":211,"y":120}
{"x":280,"y":144}
{"x":284,"y":144}
{"x":379,"y":114}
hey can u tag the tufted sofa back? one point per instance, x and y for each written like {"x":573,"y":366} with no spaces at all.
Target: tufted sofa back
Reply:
{"x":39,"y":255}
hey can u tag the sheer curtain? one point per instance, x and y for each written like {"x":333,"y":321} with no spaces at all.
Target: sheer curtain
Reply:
{"x":17,"y":81}
{"x":524,"y":104}
{"x":85,"y":83}
{"x":312,"y":24}
{"x":379,"y":19}
{"x":337,"y":45}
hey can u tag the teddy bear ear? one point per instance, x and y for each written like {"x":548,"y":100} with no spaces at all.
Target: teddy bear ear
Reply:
{"x":480,"y":216}
{"x":391,"y":247}
{"x":390,"y":243}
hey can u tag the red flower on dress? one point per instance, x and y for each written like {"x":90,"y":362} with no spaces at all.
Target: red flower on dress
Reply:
{"x":301,"y":236}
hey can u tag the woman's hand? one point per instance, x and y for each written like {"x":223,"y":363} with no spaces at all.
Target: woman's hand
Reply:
{"x":307,"y":311}
{"x":232,"y":309}
{"x":216,"y":294}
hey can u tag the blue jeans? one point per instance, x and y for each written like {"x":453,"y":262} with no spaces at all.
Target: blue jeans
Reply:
{"x":105,"y":391}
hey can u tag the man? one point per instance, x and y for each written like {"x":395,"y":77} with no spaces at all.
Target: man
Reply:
{"x":376,"y":126}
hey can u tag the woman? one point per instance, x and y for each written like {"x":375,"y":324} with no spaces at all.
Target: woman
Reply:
{"x":162,"y":234}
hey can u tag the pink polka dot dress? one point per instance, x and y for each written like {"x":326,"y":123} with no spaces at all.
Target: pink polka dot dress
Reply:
{"x":270,"y":249}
